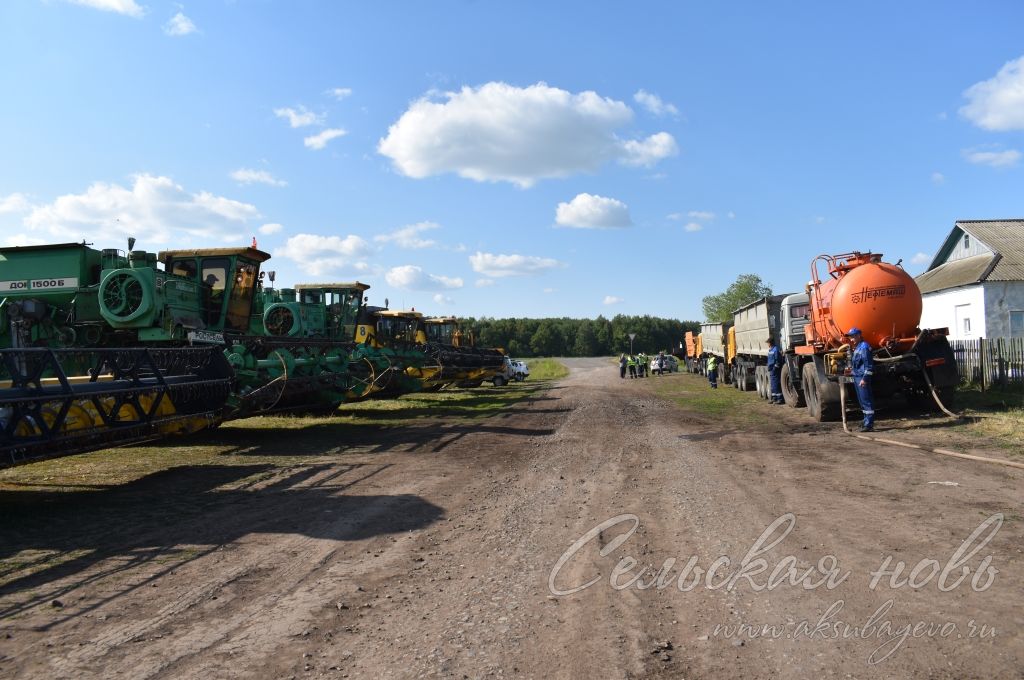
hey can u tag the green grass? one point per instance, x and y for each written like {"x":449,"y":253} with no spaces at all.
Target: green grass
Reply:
{"x":693,"y":392}
{"x":546,"y":369}
{"x":999,"y":415}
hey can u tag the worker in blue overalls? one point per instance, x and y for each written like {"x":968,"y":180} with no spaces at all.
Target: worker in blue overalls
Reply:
{"x":863,"y":365}
{"x":775,"y":360}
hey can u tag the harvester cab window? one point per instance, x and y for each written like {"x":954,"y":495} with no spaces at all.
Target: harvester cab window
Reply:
{"x":186,"y":268}
{"x":310,"y":297}
{"x":214,"y":275}
{"x":240,"y":297}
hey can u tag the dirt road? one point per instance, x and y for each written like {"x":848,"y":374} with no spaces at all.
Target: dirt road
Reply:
{"x":449,"y":550}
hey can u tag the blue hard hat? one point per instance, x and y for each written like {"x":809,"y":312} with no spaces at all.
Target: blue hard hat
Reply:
{"x":853,"y":331}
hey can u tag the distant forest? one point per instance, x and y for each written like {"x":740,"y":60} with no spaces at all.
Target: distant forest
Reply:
{"x":579,"y":337}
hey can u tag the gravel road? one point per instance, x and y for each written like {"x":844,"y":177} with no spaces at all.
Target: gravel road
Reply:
{"x":466,"y":551}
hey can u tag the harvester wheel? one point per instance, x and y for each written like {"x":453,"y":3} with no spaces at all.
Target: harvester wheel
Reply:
{"x":822,"y":399}
{"x":794,"y":397}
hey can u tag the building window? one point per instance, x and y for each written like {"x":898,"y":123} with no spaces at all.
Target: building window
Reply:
{"x":967,"y":326}
{"x":1017,"y":324}
{"x":967,"y":241}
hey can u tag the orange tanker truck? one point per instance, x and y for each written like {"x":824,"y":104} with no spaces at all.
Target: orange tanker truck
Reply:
{"x":883,"y":301}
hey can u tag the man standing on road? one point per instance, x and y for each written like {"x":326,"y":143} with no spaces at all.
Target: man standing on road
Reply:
{"x":631,"y":364}
{"x":622,"y":366}
{"x":775,"y":360}
{"x":712,"y":368}
{"x":863,"y":365}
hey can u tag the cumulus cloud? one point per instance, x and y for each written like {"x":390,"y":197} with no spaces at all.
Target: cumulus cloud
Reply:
{"x":612,"y":300}
{"x":499,"y":266}
{"x":408,"y":237}
{"x":443,"y":300}
{"x":938,"y":178}
{"x":649,"y":151}
{"x":155,"y":210}
{"x":319,"y":255}
{"x":654,"y":104}
{"x":179,"y":25}
{"x":299,"y":117}
{"x":13,"y":203}
{"x":995,"y":159}
{"x":250,"y":176}
{"x":921,"y":258}
{"x":998,"y":103}
{"x":127,"y":7}
{"x":701,"y":215}
{"x":693,"y":226}
{"x":319,"y":141}
{"x":411,"y":277}
{"x":502,"y":133}
{"x":271,"y":228}
{"x":593,"y":212}
{"x":340,"y":93}
{"x":484,"y":283}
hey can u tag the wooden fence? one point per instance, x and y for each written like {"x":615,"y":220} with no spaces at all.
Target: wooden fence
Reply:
{"x":987,"y":362}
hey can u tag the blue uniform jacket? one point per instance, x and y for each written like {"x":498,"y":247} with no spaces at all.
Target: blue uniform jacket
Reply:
{"x":863,"y":360}
{"x":775,"y":360}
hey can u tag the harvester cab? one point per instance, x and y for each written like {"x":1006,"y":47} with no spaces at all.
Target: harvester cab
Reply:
{"x":322,"y":310}
{"x":220,"y":282}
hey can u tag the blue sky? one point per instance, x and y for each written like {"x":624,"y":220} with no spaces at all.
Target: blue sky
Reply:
{"x":513,"y":159}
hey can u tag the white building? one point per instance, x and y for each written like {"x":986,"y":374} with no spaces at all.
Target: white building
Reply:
{"x":975,"y":284}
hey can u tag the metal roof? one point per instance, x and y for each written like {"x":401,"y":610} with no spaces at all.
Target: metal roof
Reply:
{"x":1005,"y":238}
{"x":251,"y":253}
{"x":312,"y":286}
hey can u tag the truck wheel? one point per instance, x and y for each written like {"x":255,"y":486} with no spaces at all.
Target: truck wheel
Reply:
{"x":499,"y":381}
{"x":822,"y":399}
{"x":721,"y":374}
{"x":794,"y":397}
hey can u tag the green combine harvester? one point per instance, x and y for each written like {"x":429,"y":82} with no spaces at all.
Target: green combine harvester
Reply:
{"x":103,"y":348}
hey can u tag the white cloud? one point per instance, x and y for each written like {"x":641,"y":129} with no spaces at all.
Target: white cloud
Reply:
{"x":179,"y":25}
{"x":411,"y":277}
{"x":22,"y":240}
{"x":701,"y":215}
{"x":654,"y":104}
{"x":549,"y":291}
{"x":995,"y":159}
{"x":484,"y":283}
{"x":340,"y":93}
{"x":731,"y":215}
{"x":998,"y":103}
{"x":13,"y":203}
{"x":938,"y":178}
{"x":127,"y":7}
{"x":250,"y":176}
{"x":612,"y":300}
{"x":649,"y":151}
{"x":593,"y":212}
{"x":408,"y":237}
{"x":675,"y":216}
{"x":154,"y":209}
{"x":693,"y":226}
{"x":499,"y":266}
{"x":502,"y":133}
{"x":319,"y":141}
{"x":443,"y":300}
{"x":300,"y":117}
{"x":921,"y":258}
{"x":271,"y":228}
{"x":318,"y":255}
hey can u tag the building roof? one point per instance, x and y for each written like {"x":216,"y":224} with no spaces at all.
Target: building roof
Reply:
{"x":1005,"y":238}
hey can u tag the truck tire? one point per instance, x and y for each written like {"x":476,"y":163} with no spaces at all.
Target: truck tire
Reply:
{"x":822,"y":399}
{"x":794,"y":397}
{"x":499,"y":381}
{"x":721,"y":374}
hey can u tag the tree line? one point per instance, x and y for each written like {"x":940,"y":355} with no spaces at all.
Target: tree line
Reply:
{"x":568,"y":337}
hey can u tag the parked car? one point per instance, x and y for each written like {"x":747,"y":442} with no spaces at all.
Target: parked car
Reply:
{"x":671,"y":364}
{"x":513,"y":370}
